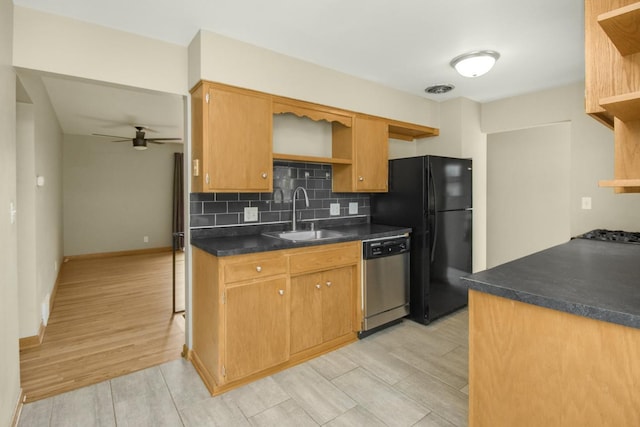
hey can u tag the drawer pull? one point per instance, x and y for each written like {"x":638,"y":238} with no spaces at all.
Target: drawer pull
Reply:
{"x":360,"y":178}
{"x":318,"y":286}
{"x":258,"y":269}
{"x":328,"y":283}
{"x":281,"y":291}
{"x":264,"y":175}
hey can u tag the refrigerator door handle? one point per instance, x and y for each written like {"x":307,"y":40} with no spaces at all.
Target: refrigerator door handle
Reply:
{"x":435,"y":216}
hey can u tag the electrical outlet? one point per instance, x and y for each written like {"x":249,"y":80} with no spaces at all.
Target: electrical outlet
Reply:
{"x":145,"y":239}
{"x":250,"y":214}
{"x":586,"y":203}
{"x":334,"y":209}
{"x":353,"y":208}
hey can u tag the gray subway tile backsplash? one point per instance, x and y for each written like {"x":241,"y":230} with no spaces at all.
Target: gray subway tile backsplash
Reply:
{"x":225,"y":209}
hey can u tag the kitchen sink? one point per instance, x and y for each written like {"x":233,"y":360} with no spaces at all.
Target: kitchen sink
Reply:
{"x":305,"y":235}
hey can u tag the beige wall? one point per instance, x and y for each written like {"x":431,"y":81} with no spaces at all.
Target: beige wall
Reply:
{"x":26,"y":196}
{"x":591,"y":157}
{"x":230,"y":61}
{"x":46,"y":162}
{"x":9,"y":356}
{"x":528,"y":191}
{"x":66,"y":46}
{"x":115,"y":195}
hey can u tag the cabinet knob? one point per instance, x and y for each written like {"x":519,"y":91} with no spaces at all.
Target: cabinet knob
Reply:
{"x":281,"y":291}
{"x":258,"y":269}
{"x":264,"y":175}
{"x":206,"y":178}
{"x":318,"y":286}
{"x":360,"y":178}
{"x":328,"y":283}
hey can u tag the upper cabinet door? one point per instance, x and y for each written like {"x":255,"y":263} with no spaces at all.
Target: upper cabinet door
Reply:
{"x":366,"y":144}
{"x":371,"y":154}
{"x":237,"y":141}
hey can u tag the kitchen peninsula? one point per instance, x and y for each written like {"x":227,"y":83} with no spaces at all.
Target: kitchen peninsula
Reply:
{"x":554,"y":338}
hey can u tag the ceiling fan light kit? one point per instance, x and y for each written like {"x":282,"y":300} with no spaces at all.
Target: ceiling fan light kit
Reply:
{"x":476,"y":63}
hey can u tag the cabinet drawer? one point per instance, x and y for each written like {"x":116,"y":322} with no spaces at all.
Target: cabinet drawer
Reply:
{"x":254,"y":268}
{"x":325,"y":259}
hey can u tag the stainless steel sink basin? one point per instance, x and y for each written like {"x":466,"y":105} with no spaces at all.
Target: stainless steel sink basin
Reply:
{"x":304,"y":235}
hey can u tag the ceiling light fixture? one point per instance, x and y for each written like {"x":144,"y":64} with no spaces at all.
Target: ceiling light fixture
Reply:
{"x":139,"y":144}
{"x":474,"y":64}
{"x":439,"y":89}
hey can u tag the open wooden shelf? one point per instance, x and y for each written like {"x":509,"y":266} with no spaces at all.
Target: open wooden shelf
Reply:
{"x":409,"y":131}
{"x":625,"y":107}
{"x":620,"y":183}
{"x":311,"y":159}
{"x":622,"y":26}
{"x":622,"y":186}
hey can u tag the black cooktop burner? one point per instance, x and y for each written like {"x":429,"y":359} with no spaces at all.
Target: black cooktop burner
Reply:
{"x":612,"y":236}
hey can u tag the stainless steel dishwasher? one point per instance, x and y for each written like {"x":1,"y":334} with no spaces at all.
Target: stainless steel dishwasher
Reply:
{"x":385,"y":281}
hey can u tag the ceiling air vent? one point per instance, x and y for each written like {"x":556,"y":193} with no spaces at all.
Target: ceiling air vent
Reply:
{"x":438,"y":89}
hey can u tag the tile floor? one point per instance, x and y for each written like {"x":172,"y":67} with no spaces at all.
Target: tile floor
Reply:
{"x":406,"y":375}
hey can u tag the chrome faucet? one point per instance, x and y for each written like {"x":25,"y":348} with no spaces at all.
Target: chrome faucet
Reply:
{"x":293,"y":203}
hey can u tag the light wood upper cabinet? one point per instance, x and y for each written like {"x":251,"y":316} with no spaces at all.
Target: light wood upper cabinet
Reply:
{"x":612,"y":82}
{"x":367,"y":145}
{"x":231,"y":140}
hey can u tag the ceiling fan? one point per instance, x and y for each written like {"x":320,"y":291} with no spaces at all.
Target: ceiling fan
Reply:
{"x":139,"y":141}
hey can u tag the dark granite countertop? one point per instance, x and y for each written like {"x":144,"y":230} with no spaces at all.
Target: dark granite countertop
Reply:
{"x":595,"y":279}
{"x":251,"y":243}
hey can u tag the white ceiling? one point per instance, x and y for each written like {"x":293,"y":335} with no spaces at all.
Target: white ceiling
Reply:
{"x":404,"y":44}
{"x":85,"y":108}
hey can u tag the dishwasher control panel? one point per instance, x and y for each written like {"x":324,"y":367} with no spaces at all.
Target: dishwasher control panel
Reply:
{"x":381,"y":248}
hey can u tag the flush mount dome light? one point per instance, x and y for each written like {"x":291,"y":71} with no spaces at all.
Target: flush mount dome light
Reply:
{"x":474,"y":64}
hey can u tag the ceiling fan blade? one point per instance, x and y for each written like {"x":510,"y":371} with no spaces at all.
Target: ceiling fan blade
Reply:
{"x":111,"y":136}
{"x":153,"y":142}
{"x":122,"y":140}
{"x":164,"y":139}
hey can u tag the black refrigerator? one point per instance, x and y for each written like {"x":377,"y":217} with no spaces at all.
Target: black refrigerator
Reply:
{"x":432,"y":195}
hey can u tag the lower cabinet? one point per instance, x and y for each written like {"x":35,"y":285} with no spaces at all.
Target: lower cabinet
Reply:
{"x":258,"y":313}
{"x":321,"y":307}
{"x":257,"y":327}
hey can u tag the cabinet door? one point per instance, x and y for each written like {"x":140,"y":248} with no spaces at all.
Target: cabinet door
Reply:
{"x":306,"y":311}
{"x":372,"y":154}
{"x":257,"y":327}
{"x":337,"y":303}
{"x":238,"y":142}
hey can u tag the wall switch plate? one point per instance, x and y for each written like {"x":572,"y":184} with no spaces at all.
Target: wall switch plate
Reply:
{"x":353,"y":208}
{"x":250,"y":214}
{"x":586,"y":203}
{"x":145,"y":239}
{"x":334,"y":209}
{"x":12,"y":213}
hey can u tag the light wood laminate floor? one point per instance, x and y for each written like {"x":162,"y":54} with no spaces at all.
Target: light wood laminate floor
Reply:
{"x":111,"y":317}
{"x":406,"y":375}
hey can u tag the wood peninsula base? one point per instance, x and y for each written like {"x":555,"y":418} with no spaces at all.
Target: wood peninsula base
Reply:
{"x":535,"y":366}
